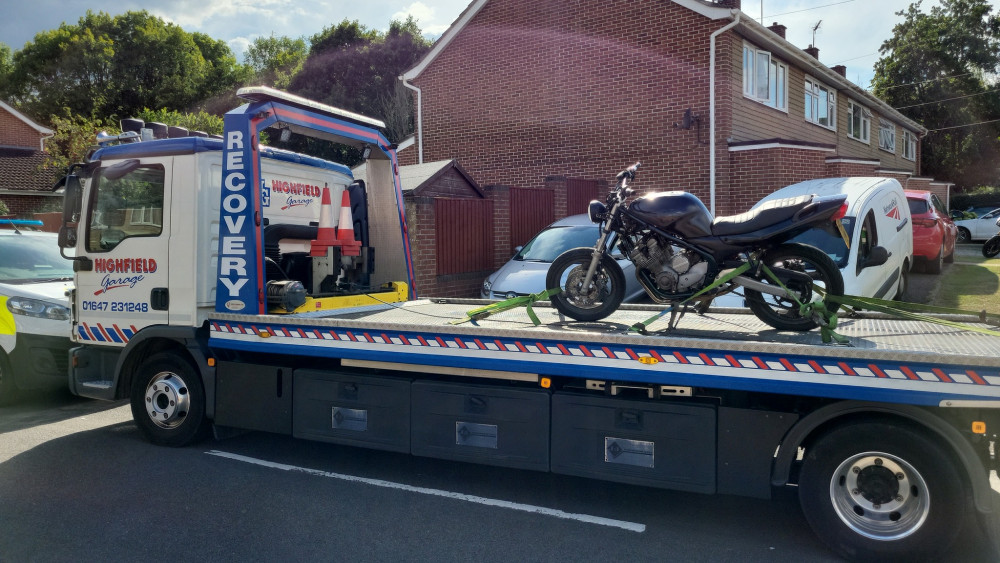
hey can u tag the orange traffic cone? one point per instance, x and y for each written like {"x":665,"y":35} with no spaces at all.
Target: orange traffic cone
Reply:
{"x":326,"y":235}
{"x":345,"y":229}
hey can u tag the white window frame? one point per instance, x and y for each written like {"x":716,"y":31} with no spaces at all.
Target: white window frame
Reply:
{"x":863,"y":130}
{"x":887,"y":135}
{"x":815,"y":92}
{"x":768,"y":87}
{"x":909,"y":145}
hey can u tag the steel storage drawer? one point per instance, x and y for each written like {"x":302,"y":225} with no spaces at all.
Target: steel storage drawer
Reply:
{"x":642,"y":442}
{"x":481,"y":424}
{"x":345,"y":408}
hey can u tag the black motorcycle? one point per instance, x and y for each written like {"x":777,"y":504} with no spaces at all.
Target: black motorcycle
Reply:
{"x":679,"y":249}
{"x":992,"y":247}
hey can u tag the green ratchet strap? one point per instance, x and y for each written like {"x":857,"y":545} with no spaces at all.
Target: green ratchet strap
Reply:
{"x":525,"y":301}
{"x":641,"y":327}
{"x":916,"y":312}
{"x":815,"y":310}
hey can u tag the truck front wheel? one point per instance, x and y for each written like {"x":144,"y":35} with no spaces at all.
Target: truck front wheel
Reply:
{"x":168,"y":401}
{"x":882,"y":491}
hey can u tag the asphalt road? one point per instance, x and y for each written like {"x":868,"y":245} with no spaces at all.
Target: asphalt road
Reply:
{"x":77,"y":483}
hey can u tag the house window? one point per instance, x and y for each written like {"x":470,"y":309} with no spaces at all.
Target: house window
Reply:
{"x":887,"y":135}
{"x":821,"y":104}
{"x":909,"y":145}
{"x":765,"y":80}
{"x":859,"y":122}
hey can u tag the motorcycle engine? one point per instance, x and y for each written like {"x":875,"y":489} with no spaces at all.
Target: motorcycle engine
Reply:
{"x":672,"y":272}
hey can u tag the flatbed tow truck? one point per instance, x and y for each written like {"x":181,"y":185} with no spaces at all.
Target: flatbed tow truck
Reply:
{"x":888,"y":439}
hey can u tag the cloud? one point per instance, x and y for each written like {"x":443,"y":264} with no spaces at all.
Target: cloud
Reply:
{"x":425,"y":16}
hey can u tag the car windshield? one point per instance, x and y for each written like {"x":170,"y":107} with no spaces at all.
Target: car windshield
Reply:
{"x":830,"y":242}
{"x":28,"y":258}
{"x":552,"y":242}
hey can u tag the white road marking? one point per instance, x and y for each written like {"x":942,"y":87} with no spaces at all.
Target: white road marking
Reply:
{"x":586,"y":518}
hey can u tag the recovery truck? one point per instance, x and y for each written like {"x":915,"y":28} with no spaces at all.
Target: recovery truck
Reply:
{"x":219,"y":285}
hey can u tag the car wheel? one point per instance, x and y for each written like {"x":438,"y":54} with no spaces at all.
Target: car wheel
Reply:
{"x":935,"y":265}
{"x":904,"y":283}
{"x":963,"y":235}
{"x":8,"y":390}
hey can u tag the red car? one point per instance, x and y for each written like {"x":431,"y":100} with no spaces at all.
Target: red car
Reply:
{"x":934,"y":232}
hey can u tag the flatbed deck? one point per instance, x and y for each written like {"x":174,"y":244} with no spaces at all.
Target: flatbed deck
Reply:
{"x":899,"y":360}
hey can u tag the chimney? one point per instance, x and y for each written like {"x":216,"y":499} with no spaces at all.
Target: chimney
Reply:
{"x":814,"y":51}
{"x":841,"y":70}
{"x":778,"y":29}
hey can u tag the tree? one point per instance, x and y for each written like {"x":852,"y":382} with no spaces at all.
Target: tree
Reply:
{"x":104,"y":67}
{"x":275,"y":60}
{"x":357,"y":69}
{"x":72,"y":139}
{"x":939,"y":69}
{"x":6,"y":67}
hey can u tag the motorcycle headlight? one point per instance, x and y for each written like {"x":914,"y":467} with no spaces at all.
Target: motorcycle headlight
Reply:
{"x":597,"y":211}
{"x":37,"y":308}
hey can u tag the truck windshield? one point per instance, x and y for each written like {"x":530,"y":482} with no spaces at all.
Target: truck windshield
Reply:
{"x":830,"y":241}
{"x":129,"y":206}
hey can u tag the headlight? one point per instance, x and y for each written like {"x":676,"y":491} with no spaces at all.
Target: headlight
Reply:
{"x":37,"y":308}
{"x":597,"y":211}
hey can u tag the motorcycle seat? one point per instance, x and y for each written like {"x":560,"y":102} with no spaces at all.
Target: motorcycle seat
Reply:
{"x":770,"y":213}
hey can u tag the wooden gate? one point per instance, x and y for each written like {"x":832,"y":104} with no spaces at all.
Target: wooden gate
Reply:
{"x":530,"y":212}
{"x":579,"y":193}
{"x":464,"y":231}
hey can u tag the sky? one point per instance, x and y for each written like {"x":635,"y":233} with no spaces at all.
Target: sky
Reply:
{"x":850,"y":31}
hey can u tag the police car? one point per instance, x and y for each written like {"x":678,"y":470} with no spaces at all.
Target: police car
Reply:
{"x":34,"y":312}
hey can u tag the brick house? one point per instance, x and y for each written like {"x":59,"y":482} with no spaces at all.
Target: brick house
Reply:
{"x":553,"y":99}
{"x":450,"y":220}
{"x":25,"y":186}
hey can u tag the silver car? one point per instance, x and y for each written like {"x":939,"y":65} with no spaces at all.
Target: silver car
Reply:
{"x":524,"y":274}
{"x":980,"y":228}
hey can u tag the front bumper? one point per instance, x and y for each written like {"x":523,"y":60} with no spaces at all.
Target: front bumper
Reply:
{"x":39,"y":361}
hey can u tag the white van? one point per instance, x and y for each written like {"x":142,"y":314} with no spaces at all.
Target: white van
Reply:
{"x":879,"y":227}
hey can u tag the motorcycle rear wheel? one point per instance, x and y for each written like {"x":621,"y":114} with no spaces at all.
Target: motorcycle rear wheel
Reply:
{"x":992,"y":247}
{"x":782,"y":313}
{"x":601,"y":298}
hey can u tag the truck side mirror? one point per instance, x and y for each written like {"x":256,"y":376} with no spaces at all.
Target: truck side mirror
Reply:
{"x":67,"y":237}
{"x":877,"y":256}
{"x":71,"y":199}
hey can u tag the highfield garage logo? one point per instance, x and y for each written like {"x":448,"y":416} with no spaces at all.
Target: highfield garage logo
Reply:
{"x":129,"y":272}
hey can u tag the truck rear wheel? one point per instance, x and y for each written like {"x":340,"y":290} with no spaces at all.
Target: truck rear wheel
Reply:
{"x":882,"y":491}
{"x":168,"y":401}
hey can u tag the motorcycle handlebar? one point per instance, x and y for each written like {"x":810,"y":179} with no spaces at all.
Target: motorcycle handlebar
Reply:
{"x":629,"y":173}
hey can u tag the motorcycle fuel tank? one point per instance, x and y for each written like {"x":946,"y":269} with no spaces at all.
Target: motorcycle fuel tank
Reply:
{"x":679,"y":212}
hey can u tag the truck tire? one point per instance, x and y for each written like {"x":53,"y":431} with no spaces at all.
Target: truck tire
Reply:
{"x":168,"y":401}
{"x":883,"y":491}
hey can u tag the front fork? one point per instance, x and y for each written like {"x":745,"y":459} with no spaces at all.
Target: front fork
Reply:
{"x":600,"y":247}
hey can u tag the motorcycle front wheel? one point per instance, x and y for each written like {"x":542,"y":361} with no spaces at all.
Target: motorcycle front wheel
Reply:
{"x":992,"y":247}
{"x":782,"y":313}
{"x":595,"y":301}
